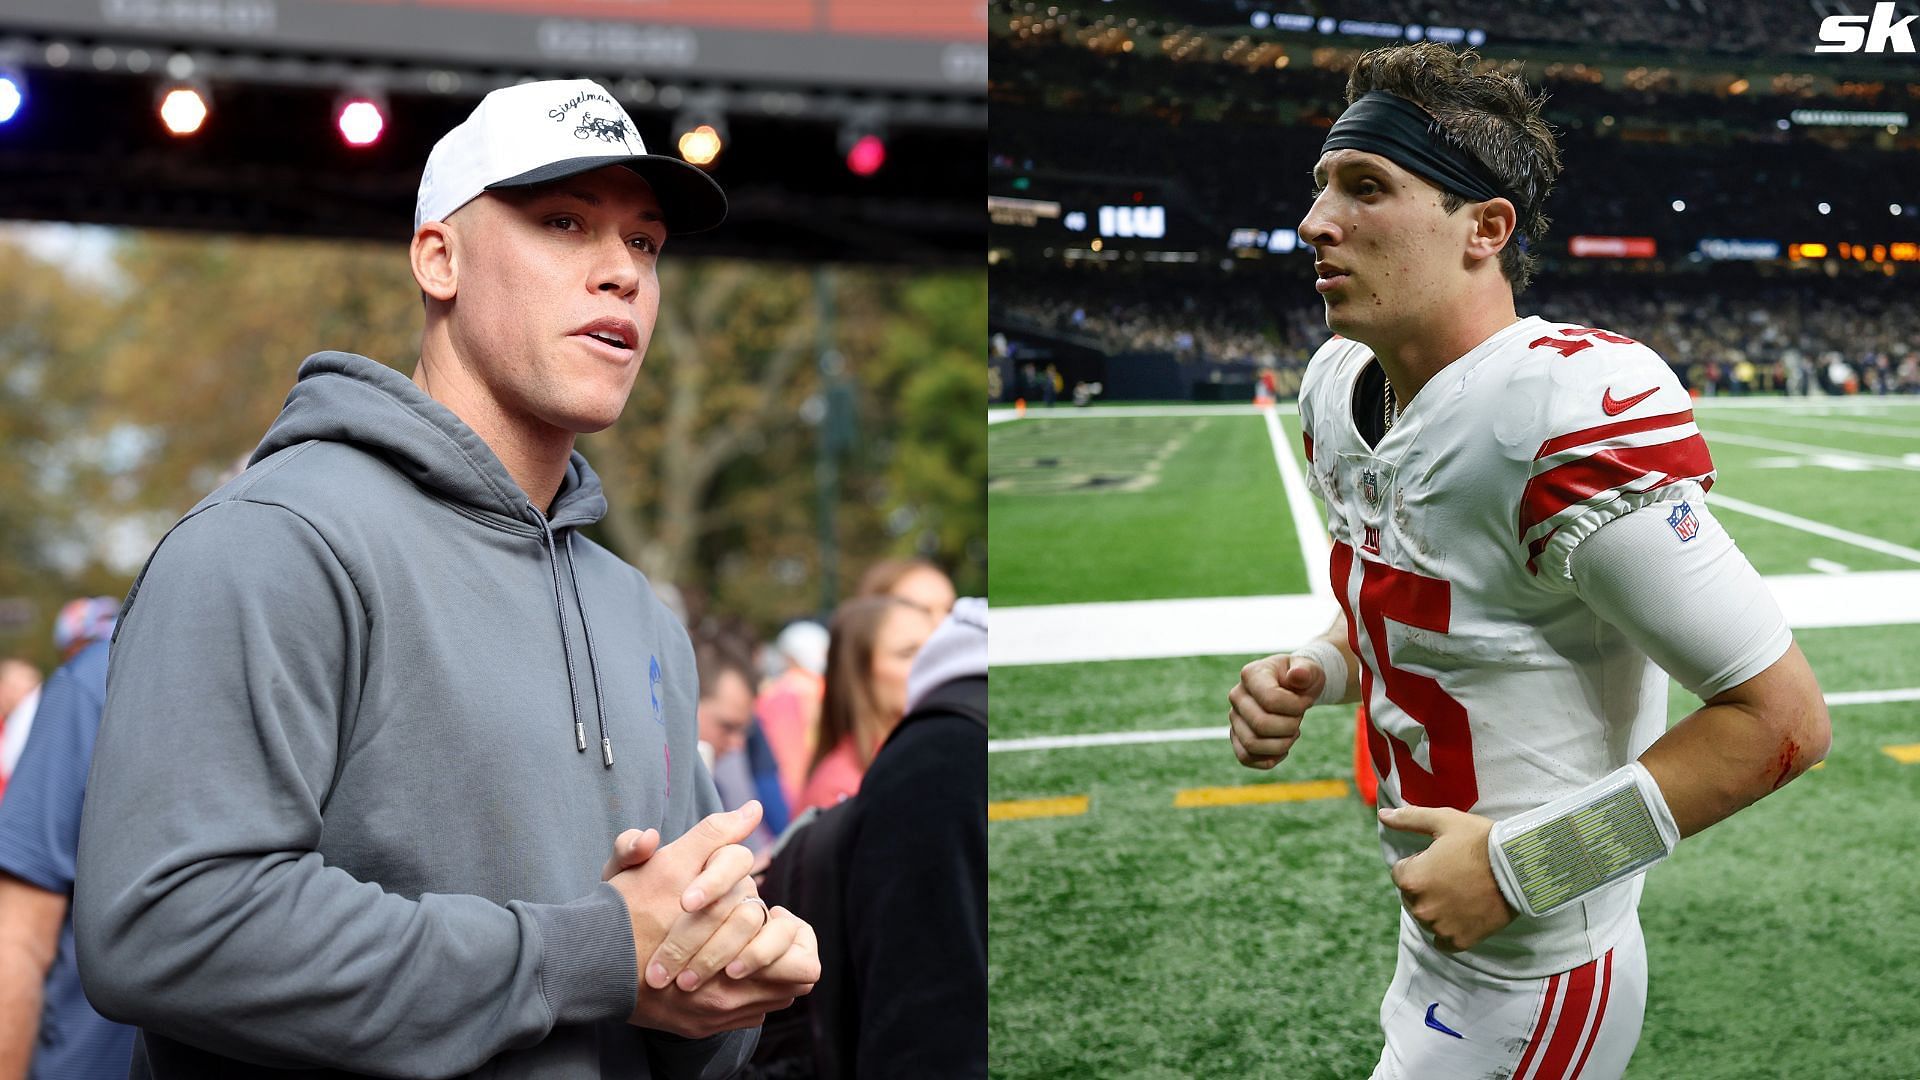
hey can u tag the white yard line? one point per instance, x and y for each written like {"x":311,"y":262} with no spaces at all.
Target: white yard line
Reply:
{"x":1873,"y":697}
{"x":1794,"y":521}
{"x":1219,"y":731}
{"x":1828,"y":566}
{"x":1808,"y":448}
{"x":1154,"y":629}
{"x":1109,"y":738}
{"x":1831,"y":424}
{"x":1306,"y":515}
{"x":1251,"y":626}
{"x":1854,"y":405}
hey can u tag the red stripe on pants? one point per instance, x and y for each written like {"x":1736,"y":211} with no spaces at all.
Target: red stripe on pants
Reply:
{"x":1599,"y":1014}
{"x":1573,"y":1020}
{"x":1539,"y":1028}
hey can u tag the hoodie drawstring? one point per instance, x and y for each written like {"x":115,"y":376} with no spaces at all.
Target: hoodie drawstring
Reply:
{"x":593,"y":665}
{"x":566,"y":636}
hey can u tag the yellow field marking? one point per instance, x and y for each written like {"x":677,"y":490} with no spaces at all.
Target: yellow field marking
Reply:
{"x":1020,"y":809}
{"x":1261,"y":793}
{"x":1818,"y":765}
{"x":1905,"y":755}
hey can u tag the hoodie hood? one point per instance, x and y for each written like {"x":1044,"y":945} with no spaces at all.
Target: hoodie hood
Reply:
{"x":345,"y":398}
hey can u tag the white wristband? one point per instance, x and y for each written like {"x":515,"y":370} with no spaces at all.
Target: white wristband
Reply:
{"x":1580,"y":843}
{"x":1328,"y":656}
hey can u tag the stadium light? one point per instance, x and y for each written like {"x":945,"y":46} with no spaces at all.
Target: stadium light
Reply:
{"x":1679,"y":206}
{"x":1825,"y":209}
{"x":862,"y":146}
{"x":1894,"y":209}
{"x":867,"y":155}
{"x":13,"y":94}
{"x":361,"y":118}
{"x":701,"y":136}
{"x":183,"y":108}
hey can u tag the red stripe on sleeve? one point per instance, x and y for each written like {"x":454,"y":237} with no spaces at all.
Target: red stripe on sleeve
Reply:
{"x":1534,"y":549}
{"x":1599,"y":1014}
{"x":1608,"y":431}
{"x":1538,"y":1037}
{"x":1558,"y":488}
{"x":1573,"y":1022}
{"x":1308,"y":439}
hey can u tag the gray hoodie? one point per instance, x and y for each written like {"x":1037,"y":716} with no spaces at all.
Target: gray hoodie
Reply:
{"x":372,"y":724}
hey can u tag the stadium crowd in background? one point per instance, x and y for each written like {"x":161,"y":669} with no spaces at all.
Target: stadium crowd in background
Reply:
{"x":1093,"y":107}
{"x":1839,"y":339}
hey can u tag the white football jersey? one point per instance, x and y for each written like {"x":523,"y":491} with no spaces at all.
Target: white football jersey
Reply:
{"x":1489,"y":685}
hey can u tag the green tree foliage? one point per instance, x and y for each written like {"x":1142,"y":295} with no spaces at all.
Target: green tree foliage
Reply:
{"x":124,"y":403}
{"x":50,"y":343}
{"x":924,"y":383}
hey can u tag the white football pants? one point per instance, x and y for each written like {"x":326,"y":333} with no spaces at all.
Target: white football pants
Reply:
{"x":1444,"y":1020}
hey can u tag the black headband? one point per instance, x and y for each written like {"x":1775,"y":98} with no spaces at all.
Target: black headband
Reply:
{"x":1403,"y":133}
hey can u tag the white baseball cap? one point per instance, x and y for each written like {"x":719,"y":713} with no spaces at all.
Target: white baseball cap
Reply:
{"x":541,"y":131}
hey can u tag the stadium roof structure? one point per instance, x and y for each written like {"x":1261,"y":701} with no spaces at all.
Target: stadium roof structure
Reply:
{"x":789,"y":84}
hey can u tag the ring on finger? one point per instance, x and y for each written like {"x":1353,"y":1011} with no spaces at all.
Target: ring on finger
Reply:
{"x":766,"y":914}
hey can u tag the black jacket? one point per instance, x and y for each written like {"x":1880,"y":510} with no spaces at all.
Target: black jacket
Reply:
{"x":894,"y":882}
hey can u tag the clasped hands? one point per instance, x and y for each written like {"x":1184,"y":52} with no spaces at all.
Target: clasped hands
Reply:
{"x":712,"y":956}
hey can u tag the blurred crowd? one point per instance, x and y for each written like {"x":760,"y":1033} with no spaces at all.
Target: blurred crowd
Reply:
{"x":1227,"y":143}
{"x":1225,"y":326}
{"x":1215,"y":176}
{"x":1806,"y":336}
{"x":1780,"y":338}
{"x":794,"y":721}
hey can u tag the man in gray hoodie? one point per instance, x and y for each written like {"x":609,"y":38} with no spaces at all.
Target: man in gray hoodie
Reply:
{"x":377,"y":713}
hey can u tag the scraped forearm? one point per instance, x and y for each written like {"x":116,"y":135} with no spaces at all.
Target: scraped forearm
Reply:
{"x":1742,"y":744}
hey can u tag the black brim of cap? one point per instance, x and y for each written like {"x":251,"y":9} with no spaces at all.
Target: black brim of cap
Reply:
{"x":690,"y":200}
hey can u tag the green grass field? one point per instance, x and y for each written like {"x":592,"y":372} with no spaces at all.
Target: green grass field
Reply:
{"x":1183,"y":509}
{"x":1142,"y":938}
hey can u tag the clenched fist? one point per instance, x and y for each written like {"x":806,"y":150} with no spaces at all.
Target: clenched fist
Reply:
{"x":1273,"y":693}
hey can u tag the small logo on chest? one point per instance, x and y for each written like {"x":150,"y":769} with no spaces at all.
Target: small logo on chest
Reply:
{"x":1370,"y":486}
{"x":1370,"y":538}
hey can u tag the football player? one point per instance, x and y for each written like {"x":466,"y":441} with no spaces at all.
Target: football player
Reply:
{"x":1523,"y":553}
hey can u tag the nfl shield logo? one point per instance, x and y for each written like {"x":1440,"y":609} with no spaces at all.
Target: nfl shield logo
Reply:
{"x":1684,"y":524}
{"x":1370,"y":486}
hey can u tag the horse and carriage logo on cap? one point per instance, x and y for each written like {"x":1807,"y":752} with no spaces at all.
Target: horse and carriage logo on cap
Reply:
{"x":614,"y":130}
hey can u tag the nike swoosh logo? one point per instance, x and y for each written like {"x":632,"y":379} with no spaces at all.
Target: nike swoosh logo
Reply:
{"x":1437,"y":1025}
{"x":1613,"y":406}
